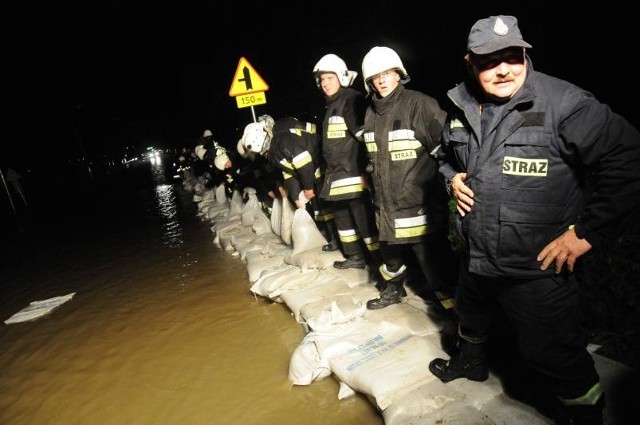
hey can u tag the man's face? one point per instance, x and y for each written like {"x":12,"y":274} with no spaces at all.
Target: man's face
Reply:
{"x":329,"y":83}
{"x":501,"y":73}
{"x":386,"y":82}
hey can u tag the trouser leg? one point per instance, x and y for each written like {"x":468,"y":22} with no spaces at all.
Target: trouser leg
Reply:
{"x":439,"y":266}
{"x":552,"y":340}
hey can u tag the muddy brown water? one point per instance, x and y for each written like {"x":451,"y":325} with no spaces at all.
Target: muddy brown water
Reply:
{"x":163,"y":328}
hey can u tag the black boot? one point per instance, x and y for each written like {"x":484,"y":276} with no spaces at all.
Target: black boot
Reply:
{"x":582,"y":414}
{"x":392,"y":294}
{"x":355,"y":261}
{"x":469,"y":362}
{"x":331,"y":246}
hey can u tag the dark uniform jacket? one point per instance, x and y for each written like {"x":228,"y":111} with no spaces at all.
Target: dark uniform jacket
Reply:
{"x":344,"y":156}
{"x":528,"y":172}
{"x":400,"y":131}
{"x":295,"y":150}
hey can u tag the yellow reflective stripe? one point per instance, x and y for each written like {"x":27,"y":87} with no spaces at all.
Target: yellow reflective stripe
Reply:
{"x":310,"y":128}
{"x":336,"y":130}
{"x":373,"y":246}
{"x":352,"y":238}
{"x":412,"y":232}
{"x":411,"y":226}
{"x":301,"y":159}
{"x":318,"y":216}
{"x":345,"y":189}
{"x":371,"y":147}
{"x":401,"y":145}
{"x":387,"y":275}
{"x":286,"y":175}
{"x":337,"y":126}
{"x":590,"y":398}
{"x":286,"y":164}
{"x":445,"y":300}
{"x":318,"y":173}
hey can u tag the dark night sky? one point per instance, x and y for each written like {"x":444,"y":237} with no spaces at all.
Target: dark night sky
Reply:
{"x":101,"y":75}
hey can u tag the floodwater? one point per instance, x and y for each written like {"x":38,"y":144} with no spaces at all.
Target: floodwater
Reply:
{"x":163,"y":328}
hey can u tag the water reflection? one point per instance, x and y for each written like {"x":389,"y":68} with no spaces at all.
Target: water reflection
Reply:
{"x":166,"y":205}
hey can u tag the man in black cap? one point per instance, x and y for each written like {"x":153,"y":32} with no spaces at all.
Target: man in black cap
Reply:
{"x":517,"y":149}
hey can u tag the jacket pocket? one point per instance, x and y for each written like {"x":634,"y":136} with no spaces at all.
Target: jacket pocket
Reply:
{"x":524,"y":230}
{"x":458,"y":143}
{"x":526,"y":159}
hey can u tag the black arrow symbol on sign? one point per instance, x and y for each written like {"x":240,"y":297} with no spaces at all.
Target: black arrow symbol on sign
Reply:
{"x":247,"y":78}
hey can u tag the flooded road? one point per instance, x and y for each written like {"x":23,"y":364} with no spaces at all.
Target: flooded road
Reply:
{"x":162,"y":328}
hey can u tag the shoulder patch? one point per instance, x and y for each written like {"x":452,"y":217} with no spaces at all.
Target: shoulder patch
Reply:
{"x":533,"y":119}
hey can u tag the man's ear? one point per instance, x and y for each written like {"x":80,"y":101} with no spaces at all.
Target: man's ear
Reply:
{"x":468,"y":66}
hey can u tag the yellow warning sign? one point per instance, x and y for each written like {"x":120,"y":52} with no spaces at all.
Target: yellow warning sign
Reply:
{"x":246,"y":80}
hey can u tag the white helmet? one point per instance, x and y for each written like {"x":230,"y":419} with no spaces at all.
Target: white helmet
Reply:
{"x":268,"y":122}
{"x":380,"y":59}
{"x":257,"y":137}
{"x":333,"y":63}
{"x":207,"y":133}
{"x":220,"y":161}
{"x":240,"y":148}
{"x":200,"y":151}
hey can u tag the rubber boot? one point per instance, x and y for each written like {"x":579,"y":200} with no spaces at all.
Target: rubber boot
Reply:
{"x":331,"y":246}
{"x":582,"y":414}
{"x":469,"y":362}
{"x":355,"y":261}
{"x":392,"y":294}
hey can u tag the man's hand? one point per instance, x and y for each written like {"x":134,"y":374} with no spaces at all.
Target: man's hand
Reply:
{"x":566,"y":248}
{"x":462,"y":194}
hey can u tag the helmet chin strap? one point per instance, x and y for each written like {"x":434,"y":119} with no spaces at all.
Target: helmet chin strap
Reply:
{"x":267,"y":142}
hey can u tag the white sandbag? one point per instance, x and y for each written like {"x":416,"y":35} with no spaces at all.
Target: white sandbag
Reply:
{"x":256,"y":267}
{"x":381,"y":360}
{"x":217,"y":212}
{"x":232,"y":229}
{"x":345,"y":391}
{"x":287,"y":221}
{"x":306,"y":364}
{"x":262,"y":224}
{"x":276,"y":216}
{"x":315,"y":259}
{"x":353,"y":277}
{"x":236,"y":206}
{"x":305,"y":234}
{"x":259,"y":243}
{"x":329,"y":289}
{"x":324,"y":313}
{"x":251,"y":207}
{"x":221,"y":195}
{"x":277,"y":248}
{"x":305,"y":279}
{"x":404,"y":315}
{"x":272,"y":278}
